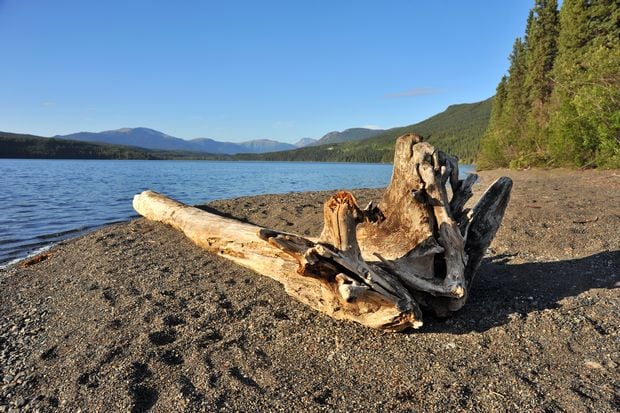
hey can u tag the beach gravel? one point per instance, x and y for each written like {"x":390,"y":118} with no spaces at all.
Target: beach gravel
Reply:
{"x":134,"y":317}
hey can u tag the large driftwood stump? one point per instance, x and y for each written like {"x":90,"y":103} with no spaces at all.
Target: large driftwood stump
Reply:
{"x":419,"y":248}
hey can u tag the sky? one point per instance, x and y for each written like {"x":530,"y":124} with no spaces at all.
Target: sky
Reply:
{"x":240,"y":70}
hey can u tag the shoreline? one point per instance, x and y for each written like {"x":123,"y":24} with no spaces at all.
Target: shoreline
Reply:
{"x":70,"y":234}
{"x":134,"y":316}
{"x":39,"y":210}
{"x":81,"y":232}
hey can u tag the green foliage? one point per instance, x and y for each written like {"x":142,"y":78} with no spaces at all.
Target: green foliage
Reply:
{"x":542,"y":35}
{"x":492,"y":142}
{"x":585,"y":125}
{"x":501,"y":143}
{"x":559,"y":105}
{"x":457,"y":131}
{"x":517,"y":103}
{"x":541,"y":41}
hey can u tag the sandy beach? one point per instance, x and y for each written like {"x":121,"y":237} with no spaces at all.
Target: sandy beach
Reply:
{"x":134,"y":317}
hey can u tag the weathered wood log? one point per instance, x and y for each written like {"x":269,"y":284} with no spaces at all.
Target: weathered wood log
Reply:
{"x":375,"y":266}
{"x":318,"y":282}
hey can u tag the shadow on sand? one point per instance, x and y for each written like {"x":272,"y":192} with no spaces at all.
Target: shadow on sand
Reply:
{"x":502,"y":290}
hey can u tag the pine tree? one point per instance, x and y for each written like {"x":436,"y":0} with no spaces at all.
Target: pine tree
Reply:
{"x":502,"y":144}
{"x":516,"y":106}
{"x":541,"y":40}
{"x":585,"y":124}
{"x":560,"y":103}
{"x":492,"y":147}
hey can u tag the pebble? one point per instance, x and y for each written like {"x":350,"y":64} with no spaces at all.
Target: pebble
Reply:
{"x":592,"y":364}
{"x":20,"y":402}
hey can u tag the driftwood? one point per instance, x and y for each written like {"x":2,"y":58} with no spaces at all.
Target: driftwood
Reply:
{"x":419,"y":248}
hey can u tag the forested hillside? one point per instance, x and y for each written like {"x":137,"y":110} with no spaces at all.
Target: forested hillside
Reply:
{"x":351,"y":134}
{"x":13,"y":145}
{"x":457,"y":130}
{"x":559,"y":104}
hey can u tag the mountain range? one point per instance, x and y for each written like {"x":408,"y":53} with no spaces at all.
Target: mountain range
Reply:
{"x":457,"y":130}
{"x":152,"y":139}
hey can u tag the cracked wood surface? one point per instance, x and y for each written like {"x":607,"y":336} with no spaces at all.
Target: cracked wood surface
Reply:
{"x":379,"y":266}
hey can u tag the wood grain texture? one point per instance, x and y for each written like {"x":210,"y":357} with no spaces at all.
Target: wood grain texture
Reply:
{"x":379,"y":266}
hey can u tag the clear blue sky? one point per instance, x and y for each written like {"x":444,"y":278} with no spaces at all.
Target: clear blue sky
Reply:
{"x":241,"y":70}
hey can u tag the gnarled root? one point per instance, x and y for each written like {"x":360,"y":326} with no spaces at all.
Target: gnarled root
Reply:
{"x":420,"y":247}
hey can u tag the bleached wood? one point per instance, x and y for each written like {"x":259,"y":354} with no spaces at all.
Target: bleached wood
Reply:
{"x":376,"y":265}
{"x":242,"y":243}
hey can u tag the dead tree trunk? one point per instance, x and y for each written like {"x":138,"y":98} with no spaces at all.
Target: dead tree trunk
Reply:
{"x":418,"y":248}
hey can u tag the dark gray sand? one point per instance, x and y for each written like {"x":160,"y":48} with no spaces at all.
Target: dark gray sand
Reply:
{"x":135,"y":317}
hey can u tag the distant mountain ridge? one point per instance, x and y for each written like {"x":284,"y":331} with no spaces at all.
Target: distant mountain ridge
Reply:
{"x":348,"y":135}
{"x":139,"y":137}
{"x":152,"y":139}
{"x":19,"y":145}
{"x":303,"y":142}
{"x":457,"y":130}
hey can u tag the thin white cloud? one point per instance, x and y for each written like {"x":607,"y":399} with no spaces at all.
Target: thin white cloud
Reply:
{"x":416,"y":91}
{"x":373,"y":127}
{"x":49,"y":103}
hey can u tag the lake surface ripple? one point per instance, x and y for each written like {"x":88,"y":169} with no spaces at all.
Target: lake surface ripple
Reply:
{"x":45,"y":201}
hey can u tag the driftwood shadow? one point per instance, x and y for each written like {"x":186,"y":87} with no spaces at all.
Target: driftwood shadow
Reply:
{"x":502,"y":290}
{"x":214,"y":211}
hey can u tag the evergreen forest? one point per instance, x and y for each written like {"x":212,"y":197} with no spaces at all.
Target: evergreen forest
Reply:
{"x":558,"y":105}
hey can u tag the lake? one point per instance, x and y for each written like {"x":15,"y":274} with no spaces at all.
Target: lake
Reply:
{"x":45,"y":201}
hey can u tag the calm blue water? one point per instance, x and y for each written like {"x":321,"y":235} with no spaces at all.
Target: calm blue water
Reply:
{"x":45,"y":201}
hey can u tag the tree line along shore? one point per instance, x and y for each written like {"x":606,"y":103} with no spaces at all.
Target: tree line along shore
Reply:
{"x":559,"y":103}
